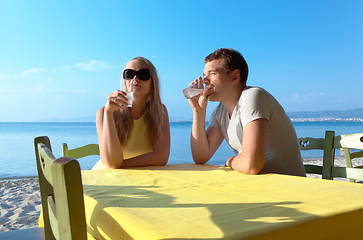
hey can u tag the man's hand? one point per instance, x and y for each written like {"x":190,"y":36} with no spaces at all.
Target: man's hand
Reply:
{"x":199,"y":102}
{"x":229,"y":162}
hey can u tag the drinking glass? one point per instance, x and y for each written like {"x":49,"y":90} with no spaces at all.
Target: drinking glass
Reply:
{"x":129,"y":93}
{"x":190,"y":92}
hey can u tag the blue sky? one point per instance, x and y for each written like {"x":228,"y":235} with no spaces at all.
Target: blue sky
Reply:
{"x":62,"y":59}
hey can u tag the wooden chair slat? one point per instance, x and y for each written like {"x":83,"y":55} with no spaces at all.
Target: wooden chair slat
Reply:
{"x":61,"y":193}
{"x":80,"y":152}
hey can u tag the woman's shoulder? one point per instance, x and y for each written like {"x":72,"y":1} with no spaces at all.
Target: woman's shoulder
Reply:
{"x":165,"y":112}
{"x":165,"y":109}
{"x":101,"y":111}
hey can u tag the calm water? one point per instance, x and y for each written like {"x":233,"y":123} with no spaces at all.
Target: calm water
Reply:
{"x":17,"y":156}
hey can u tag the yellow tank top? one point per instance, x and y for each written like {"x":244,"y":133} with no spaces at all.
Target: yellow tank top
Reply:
{"x":137,"y":142}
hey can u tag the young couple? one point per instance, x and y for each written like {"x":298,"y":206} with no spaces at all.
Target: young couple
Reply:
{"x":251,"y":121}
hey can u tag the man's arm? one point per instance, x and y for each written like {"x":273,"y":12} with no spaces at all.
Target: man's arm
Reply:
{"x":252,"y":158}
{"x":204,"y":143}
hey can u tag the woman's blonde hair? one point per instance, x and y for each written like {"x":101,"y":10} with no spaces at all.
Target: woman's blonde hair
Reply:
{"x":154,"y":110}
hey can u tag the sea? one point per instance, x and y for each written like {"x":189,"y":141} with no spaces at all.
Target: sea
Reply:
{"x":17,"y":156}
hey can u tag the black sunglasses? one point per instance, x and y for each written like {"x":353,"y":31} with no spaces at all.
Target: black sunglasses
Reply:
{"x":143,"y":74}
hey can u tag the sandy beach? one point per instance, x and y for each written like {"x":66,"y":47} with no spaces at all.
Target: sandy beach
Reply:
{"x":20,"y":200}
{"x":19,"y":204}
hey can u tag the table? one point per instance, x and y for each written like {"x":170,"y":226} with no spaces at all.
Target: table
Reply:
{"x":188,"y":201}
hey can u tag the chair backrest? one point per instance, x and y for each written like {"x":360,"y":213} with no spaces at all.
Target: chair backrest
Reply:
{"x":348,"y":142}
{"x":80,"y":152}
{"x":61,"y":193}
{"x":324,"y":144}
{"x":351,"y":155}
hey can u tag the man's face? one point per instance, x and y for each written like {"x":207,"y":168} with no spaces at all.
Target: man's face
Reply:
{"x":216,"y":79}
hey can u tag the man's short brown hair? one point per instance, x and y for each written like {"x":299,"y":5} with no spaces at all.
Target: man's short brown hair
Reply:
{"x":232,"y":60}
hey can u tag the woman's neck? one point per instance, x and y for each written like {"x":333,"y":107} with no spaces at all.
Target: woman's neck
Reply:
{"x":138,"y":108}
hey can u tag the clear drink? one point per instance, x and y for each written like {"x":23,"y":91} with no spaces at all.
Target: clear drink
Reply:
{"x":129,"y":94}
{"x":192,"y":92}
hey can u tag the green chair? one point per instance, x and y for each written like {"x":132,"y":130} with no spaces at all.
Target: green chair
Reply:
{"x":80,"y":152}
{"x":351,"y":155}
{"x":61,"y":193}
{"x":325,"y":144}
{"x":347,"y":143}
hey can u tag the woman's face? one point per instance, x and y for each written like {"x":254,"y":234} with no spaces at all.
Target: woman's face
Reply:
{"x":141,"y":88}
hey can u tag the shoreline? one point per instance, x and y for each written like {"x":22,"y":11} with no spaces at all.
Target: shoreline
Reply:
{"x":187,"y":120}
{"x":17,"y":178}
{"x":20,"y":202}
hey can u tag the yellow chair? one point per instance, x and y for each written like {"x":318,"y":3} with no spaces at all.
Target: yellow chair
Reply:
{"x":325,"y":144}
{"x":61,"y":193}
{"x":80,"y":152}
{"x":348,"y":142}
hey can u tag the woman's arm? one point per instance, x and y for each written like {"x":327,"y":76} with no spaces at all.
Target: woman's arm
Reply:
{"x":160,"y":155}
{"x":109,"y":143}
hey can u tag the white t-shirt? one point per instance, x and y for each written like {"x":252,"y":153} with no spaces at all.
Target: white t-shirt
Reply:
{"x":282,"y":154}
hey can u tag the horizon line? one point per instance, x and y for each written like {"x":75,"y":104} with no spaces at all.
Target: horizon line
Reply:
{"x":322,"y":119}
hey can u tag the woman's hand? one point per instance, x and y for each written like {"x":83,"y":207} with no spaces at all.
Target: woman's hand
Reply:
{"x":116,"y":100}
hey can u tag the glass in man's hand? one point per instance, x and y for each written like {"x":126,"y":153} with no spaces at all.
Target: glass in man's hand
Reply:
{"x":190,"y":92}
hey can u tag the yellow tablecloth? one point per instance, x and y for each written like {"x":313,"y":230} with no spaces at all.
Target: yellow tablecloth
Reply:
{"x":188,"y":201}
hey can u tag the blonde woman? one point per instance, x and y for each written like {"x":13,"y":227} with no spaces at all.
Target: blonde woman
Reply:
{"x":139,"y":135}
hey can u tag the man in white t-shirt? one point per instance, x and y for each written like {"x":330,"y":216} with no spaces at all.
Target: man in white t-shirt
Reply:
{"x":251,"y":120}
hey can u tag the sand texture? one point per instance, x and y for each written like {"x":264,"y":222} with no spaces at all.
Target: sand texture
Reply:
{"x":20,"y":204}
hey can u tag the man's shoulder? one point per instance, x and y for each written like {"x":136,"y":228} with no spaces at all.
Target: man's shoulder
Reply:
{"x":249,"y":93}
{"x":253,"y":90}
